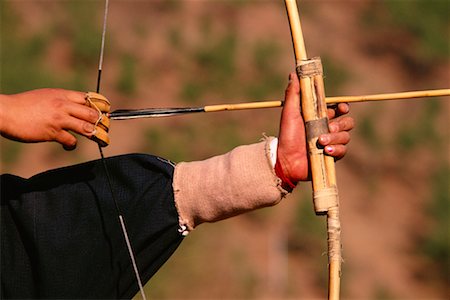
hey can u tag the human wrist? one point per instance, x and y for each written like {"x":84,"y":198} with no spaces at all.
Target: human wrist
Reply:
{"x":5,"y":101}
{"x":280,"y":166}
{"x":286,"y":182}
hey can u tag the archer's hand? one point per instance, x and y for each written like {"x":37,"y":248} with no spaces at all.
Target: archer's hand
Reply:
{"x":292,"y":152}
{"x":46,"y":115}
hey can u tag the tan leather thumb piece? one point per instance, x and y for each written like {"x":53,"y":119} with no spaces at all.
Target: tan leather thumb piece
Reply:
{"x":103,"y":106}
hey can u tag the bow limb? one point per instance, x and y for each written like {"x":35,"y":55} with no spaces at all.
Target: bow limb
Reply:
{"x":314,"y":111}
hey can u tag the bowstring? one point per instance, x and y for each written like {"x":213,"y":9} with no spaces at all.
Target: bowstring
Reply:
{"x":105,"y":167}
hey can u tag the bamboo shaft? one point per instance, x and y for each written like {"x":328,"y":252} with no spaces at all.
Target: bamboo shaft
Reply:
{"x":389,"y":96}
{"x":334,"y":244}
{"x":314,"y":111}
{"x":323,"y":173}
{"x":157,"y":112}
{"x":239,"y":106}
{"x":334,"y":100}
{"x":296,"y":30}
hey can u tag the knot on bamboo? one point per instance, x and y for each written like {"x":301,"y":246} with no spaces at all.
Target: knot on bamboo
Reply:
{"x":309,"y":68}
{"x":325,"y":199}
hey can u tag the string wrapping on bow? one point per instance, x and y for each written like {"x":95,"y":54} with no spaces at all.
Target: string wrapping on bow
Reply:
{"x":323,"y":173}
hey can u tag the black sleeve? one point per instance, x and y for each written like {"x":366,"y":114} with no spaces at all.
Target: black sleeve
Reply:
{"x":60,"y":233}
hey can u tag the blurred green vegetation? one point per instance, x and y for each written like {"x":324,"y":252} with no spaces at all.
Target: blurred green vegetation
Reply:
{"x":307,"y":223}
{"x":24,"y":63}
{"x":420,"y":28}
{"x":83,"y":32}
{"x":126,"y":82}
{"x":435,"y":244}
{"x":213,"y":64}
{"x":267,"y":79}
{"x":21,"y":64}
{"x":9,"y":151}
{"x":175,"y":37}
{"x":308,"y":236}
{"x":84,"y":35}
{"x":174,"y":145}
{"x":189,"y":264}
{"x":368,"y":133}
{"x":335,"y":75}
{"x":247,"y":276}
{"x":421,"y":131}
{"x":193,"y":139}
{"x":382,"y":293}
{"x":428,"y":21}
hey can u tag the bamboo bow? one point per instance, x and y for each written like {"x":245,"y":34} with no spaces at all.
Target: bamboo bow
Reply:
{"x":314,"y":111}
{"x":314,"y":105}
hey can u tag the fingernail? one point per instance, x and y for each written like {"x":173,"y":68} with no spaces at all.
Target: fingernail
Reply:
{"x":90,"y":128}
{"x":345,"y":108}
{"x":329,"y":149}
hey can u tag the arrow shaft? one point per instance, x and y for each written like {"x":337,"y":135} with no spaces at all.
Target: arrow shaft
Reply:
{"x":389,"y":96}
{"x":127,"y":114}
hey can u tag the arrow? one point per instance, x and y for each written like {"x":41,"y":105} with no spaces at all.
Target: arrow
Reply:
{"x":126,"y":114}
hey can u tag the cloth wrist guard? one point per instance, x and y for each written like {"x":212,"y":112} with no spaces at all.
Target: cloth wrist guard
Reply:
{"x":224,"y":186}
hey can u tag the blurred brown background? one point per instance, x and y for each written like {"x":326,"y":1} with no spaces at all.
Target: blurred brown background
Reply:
{"x":394,"y":182}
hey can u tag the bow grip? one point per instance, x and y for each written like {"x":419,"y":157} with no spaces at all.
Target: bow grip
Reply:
{"x":103,"y":106}
{"x":314,"y":111}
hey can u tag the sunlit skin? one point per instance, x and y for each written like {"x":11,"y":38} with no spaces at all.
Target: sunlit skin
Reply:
{"x":46,"y":115}
{"x":292,"y":152}
{"x":49,"y":114}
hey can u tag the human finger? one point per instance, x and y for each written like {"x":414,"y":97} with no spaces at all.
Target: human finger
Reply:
{"x":342,"y":137}
{"x":79,"y":126}
{"x":67,"y":140}
{"x":337,"y":110}
{"x":74,"y":96}
{"x":336,"y":151}
{"x":83,"y":112}
{"x":290,"y":115}
{"x":341,"y":124}
{"x":292,"y":95}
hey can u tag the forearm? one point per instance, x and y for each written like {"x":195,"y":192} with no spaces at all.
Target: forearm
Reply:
{"x":5,"y":114}
{"x":227,"y":185}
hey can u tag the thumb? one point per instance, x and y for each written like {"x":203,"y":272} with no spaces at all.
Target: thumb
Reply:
{"x":67,"y":140}
{"x":291,"y":118}
{"x":292,"y":93}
